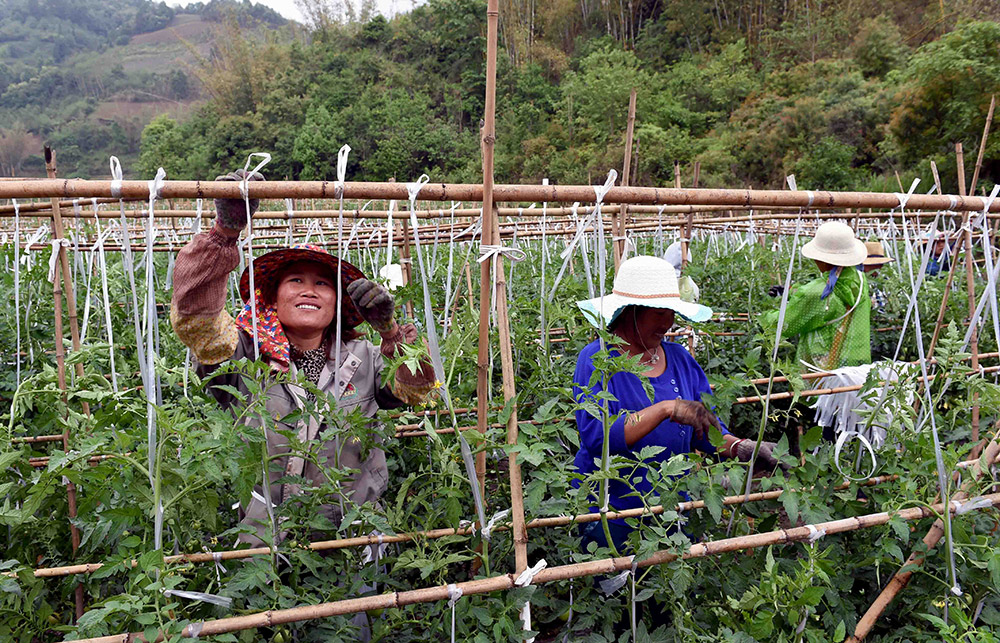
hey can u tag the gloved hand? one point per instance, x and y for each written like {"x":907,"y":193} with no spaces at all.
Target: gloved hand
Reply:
{"x":776,"y":290}
{"x":765,"y":463}
{"x":374,"y":303}
{"x":232,"y":213}
{"x":695,"y":415}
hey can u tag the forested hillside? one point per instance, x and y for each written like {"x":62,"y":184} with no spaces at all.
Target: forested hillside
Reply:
{"x":845,"y":93}
{"x":88,"y":75}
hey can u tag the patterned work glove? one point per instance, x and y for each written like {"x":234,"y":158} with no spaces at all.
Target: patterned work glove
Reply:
{"x":776,"y":291}
{"x":374,"y":303}
{"x":765,"y":463}
{"x":232,"y":213}
{"x":695,"y":415}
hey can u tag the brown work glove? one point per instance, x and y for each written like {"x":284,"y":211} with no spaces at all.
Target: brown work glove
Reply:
{"x":232,"y":213}
{"x":765,"y":463}
{"x":374,"y":303}
{"x":695,"y":415}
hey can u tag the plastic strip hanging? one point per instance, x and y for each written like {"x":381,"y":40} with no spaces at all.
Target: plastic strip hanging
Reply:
{"x":541,"y":286}
{"x":432,"y":340}
{"x":103,"y":267}
{"x":128,"y":266}
{"x":151,"y":428}
{"x":448,"y":277}
{"x":454,"y":593}
{"x":523,"y":580}
{"x":265,"y":159}
{"x":339,"y":193}
{"x":939,"y":460}
{"x":17,"y":291}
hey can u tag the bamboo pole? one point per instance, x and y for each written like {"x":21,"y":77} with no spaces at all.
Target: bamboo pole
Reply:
{"x":982,"y":144}
{"x":439,"y":593}
{"x":618,"y":218}
{"x":43,"y":188}
{"x":916,"y":559}
{"x":62,"y":265}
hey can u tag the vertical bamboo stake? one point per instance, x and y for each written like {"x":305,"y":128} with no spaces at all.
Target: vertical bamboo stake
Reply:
{"x":518,"y":530}
{"x":982,"y":145}
{"x":960,"y":163}
{"x":618,"y":217}
{"x":62,"y":266}
{"x":970,"y":283}
{"x":939,"y":324}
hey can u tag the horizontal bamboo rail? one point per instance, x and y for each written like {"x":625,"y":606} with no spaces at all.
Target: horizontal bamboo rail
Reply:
{"x":439,"y":593}
{"x":70,"y":188}
{"x":433,"y":534}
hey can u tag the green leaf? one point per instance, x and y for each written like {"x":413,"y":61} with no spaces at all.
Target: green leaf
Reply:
{"x":840,"y":633}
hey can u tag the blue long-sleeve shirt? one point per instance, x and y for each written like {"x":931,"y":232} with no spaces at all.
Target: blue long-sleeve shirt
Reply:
{"x":682,"y":378}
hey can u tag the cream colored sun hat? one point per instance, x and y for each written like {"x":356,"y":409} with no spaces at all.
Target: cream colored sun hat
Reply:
{"x":642,"y":281}
{"x":876,"y":254}
{"x":836,"y":245}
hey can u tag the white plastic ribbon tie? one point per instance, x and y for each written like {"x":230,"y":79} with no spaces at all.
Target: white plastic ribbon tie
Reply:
{"x":342,"y":155}
{"x":611,"y":585}
{"x":971,"y":505}
{"x":56,"y":245}
{"x":454,"y":593}
{"x":497,"y":517}
{"x":601,"y":190}
{"x":815,"y":534}
{"x":790,"y":179}
{"x":156,"y":187}
{"x":194,"y":629}
{"x":413,"y":189}
{"x":811,"y":198}
{"x":904,"y":198}
{"x":214,"y":599}
{"x":116,"y":177}
{"x":266,"y":158}
{"x":524,"y":578}
{"x":493,"y":251}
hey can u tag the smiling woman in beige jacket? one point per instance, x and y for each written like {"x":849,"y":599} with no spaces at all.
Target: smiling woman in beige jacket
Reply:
{"x":296,"y":306}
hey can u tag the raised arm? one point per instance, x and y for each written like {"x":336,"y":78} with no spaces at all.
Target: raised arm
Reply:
{"x":197,"y":311}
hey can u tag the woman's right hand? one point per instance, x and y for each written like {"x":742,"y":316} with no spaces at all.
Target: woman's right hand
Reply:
{"x":693,"y":414}
{"x":232,"y":213}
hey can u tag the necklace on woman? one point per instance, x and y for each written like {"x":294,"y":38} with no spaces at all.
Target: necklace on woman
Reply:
{"x":652,"y":359}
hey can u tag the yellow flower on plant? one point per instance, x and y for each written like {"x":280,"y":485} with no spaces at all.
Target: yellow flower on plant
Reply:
{"x":438,"y":384}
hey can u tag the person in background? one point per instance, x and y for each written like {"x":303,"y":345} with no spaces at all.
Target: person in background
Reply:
{"x":939,"y":261}
{"x":830,"y":315}
{"x":871,"y":265}
{"x":638,"y":312}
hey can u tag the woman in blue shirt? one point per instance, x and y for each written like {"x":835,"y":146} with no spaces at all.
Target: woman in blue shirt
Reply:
{"x":639,"y":311}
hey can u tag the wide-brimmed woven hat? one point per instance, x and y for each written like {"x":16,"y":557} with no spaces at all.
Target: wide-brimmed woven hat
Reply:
{"x":836,"y":245}
{"x":876,"y":254}
{"x":642,"y":281}
{"x":267,"y":270}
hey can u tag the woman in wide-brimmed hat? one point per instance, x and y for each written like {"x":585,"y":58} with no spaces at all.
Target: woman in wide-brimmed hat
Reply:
{"x":831,"y":315}
{"x":297,"y":307}
{"x":639,"y":311}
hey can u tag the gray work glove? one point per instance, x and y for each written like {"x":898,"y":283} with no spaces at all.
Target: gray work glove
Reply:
{"x":374,"y":303}
{"x":695,"y":415}
{"x":232,"y":213}
{"x":765,"y":463}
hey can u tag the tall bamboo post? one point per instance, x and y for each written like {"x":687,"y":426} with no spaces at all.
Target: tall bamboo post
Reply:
{"x":939,"y":323}
{"x":62,"y":266}
{"x":487,"y":138}
{"x":618,"y":217}
{"x":520,"y":533}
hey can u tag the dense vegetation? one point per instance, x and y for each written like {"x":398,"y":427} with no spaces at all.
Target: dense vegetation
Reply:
{"x":205,"y":463}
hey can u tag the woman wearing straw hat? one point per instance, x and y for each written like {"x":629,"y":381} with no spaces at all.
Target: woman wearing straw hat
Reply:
{"x":298,"y":304}
{"x":871,"y":265}
{"x":831,"y":314}
{"x":638,"y":312}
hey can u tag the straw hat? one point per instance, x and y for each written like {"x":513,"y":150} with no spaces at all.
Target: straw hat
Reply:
{"x":267,"y":269}
{"x":642,"y":281}
{"x":876,"y":254}
{"x":836,"y":245}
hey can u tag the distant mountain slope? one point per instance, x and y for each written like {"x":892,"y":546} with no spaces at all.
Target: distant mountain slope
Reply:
{"x":87,"y":75}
